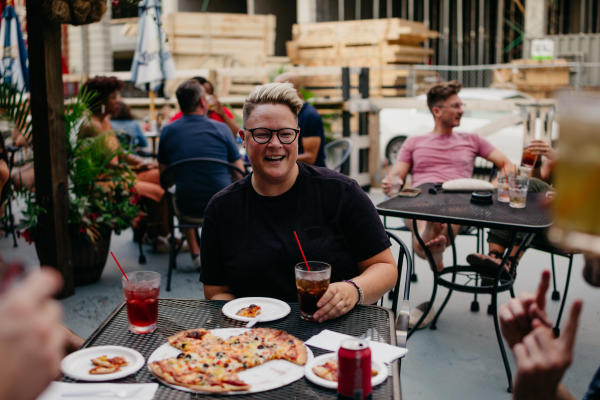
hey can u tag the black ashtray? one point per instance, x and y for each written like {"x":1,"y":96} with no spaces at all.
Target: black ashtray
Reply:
{"x":482,"y":198}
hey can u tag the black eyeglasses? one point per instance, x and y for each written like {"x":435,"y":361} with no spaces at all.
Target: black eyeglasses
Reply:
{"x":264,"y":135}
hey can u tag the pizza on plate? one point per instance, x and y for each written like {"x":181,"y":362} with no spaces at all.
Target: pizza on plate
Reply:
{"x":208,"y":363}
{"x":329,"y":370}
{"x":252,"y":311}
{"x":105,"y":365}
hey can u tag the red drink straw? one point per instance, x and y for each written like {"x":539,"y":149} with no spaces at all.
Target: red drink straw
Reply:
{"x":504,"y":172}
{"x":387,"y":171}
{"x":119,"y":265}
{"x":301,"y":251}
{"x":515,"y":165}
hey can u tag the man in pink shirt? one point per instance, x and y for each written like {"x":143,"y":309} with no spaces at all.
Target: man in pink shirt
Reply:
{"x":440,"y":156}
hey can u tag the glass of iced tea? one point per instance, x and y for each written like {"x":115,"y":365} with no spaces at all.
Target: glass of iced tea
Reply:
{"x":577,"y":175}
{"x":141,"y":294}
{"x":312,"y":282}
{"x":517,"y":191}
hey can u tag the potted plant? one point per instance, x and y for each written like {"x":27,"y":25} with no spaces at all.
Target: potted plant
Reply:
{"x":101,"y":196}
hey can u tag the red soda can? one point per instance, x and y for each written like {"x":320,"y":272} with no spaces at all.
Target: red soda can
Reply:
{"x":354,"y":370}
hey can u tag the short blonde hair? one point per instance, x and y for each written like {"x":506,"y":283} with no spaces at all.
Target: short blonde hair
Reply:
{"x":273,"y":93}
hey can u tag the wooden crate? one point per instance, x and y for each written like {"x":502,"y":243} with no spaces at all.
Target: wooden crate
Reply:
{"x":199,"y":40}
{"x":554,"y":76}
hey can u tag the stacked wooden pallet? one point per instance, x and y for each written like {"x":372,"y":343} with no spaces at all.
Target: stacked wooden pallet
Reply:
{"x":540,"y":82}
{"x":377,"y":43}
{"x":214,"y":40}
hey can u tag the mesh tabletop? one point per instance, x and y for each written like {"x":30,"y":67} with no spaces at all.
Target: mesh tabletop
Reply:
{"x":177,"y":315}
{"x":456,"y":208}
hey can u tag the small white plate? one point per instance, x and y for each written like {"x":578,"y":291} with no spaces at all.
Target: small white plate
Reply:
{"x":271,"y":309}
{"x":270,"y":375}
{"x":381,"y":376}
{"x":78,"y":364}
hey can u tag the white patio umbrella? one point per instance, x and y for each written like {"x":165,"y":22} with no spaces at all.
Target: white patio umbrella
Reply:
{"x":152,"y":62}
{"x":14,"y":65}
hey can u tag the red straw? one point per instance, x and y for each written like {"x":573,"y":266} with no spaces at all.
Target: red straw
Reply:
{"x":385,"y":164}
{"x":119,"y":265}
{"x":515,"y":165}
{"x":301,"y":251}
{"x":504,"y":172}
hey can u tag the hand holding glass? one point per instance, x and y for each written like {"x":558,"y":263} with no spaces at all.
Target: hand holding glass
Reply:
{"x":311,"y":284}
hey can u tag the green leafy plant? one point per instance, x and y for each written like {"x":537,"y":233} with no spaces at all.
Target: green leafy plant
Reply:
{"x":101,"y":194}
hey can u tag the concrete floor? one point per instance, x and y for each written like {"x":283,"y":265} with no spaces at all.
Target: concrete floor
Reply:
{"x":459,"y":360}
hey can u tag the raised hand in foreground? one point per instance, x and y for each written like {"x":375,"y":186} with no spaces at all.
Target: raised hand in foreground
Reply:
{"x":32,"y":338}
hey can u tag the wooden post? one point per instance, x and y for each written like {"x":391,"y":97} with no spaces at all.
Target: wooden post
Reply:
{"x":49,"y":142}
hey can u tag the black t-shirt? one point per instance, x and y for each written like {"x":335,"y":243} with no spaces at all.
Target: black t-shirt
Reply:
{"x":248,"y":242}
{"x":311,"y":124}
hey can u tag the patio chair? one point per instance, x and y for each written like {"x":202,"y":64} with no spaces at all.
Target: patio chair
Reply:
{"x":173,"y":180}
{"x":400,"y":305}
{"x":337,"y":153}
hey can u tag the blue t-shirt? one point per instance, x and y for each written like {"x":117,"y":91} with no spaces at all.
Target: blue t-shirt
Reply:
{"x":131,"y":127}
{"x":311,"y":124}
{"x":197,"y":136}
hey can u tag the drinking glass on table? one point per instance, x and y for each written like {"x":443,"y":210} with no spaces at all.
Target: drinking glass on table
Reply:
{"x":517,"y":191}
{"x":312,"y":282}
{"x":577,"y":175}
{"x":141,"y":294}
{"x":395,"y":182}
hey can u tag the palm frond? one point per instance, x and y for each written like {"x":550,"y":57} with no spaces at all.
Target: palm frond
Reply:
{"x":14,"y":105}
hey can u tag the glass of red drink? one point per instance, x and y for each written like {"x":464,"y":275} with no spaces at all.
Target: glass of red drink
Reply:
{"x":312,"y":282}
{"x":141,"y":294}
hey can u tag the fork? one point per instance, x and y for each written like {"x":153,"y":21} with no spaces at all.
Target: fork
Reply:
{"x":253,"y":321}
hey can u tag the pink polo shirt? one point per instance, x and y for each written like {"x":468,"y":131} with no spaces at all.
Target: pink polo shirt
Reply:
{"x":440,"y":158}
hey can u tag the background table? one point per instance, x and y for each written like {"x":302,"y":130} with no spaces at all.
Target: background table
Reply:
{"x":177,"y":315}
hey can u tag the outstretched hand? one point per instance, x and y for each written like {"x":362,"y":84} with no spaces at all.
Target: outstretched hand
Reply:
{"x":521,"y":315}
{"x":542,"y":359}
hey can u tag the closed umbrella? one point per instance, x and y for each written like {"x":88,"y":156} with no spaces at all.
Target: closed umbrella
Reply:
{"x":14,"y":65}
{"x":152,"y":62}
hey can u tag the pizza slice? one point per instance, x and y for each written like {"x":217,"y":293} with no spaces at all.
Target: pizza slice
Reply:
{"x":329,"y":370}
{"x":252,"y":311}
{"x":191,"y":339}
{"x":105,"y":365}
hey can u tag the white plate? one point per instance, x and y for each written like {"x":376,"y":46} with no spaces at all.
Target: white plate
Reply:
{"x":271,"y":309}
{"x":270,"y":375}
{"x":381,"y":376}
{"x":78,"y":364}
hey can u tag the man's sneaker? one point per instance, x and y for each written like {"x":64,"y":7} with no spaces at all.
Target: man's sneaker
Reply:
{"x":417,"y":312}
{"x":162,"y":244}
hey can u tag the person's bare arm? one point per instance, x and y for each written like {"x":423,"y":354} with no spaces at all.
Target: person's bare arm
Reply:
{"x":378,"y":275}
{"x":500,"y":160}
{"x":399,"y":170}
{"x":215,"y":292}
{"x":230,"y":122}
{"x":239,"y":164}
{"x":311,"y":146}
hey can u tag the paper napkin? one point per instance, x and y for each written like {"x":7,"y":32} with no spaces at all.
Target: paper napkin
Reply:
{"x":330,"y":340}
{"x":94,"y":391}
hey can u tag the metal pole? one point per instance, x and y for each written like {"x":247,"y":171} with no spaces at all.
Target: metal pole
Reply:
{"x":357,"y":5}
{"x":403,"y":9}
{"x":480,"y":38}
{"x":426,"y":16}
{"x":581,"y":16}
{"x":340,"y":10}
{"x":445,"y":33}
{"x":250,"y":7}
{"x":499,"y":31}
{"x":388,"y":9}
{"x":459,"y":35}
{"x":376,"y":9}
{"x":411,"y":10}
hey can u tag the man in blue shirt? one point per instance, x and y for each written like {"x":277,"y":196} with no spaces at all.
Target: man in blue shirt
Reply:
{"x":311,"y":146}
{"x":196,"y":135}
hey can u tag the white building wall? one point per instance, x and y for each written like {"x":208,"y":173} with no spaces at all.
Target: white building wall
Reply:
{"x":90,"y":50}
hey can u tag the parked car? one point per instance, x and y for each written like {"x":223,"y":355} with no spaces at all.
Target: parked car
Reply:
{"x":493,"y":113}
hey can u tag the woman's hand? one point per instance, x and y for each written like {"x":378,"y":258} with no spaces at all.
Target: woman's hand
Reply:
{"x":391,"y":184}
{"x":541,"y":148}
{"x":339,"y":298}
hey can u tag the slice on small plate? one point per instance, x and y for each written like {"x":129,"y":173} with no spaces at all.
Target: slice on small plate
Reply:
{"x":77,"y":365}
{"x":268,"y":309}
{"x":380,"y":372}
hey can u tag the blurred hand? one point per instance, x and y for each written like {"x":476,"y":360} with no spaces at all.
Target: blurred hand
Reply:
{"x":339,"y":298}
{"x":542,"y":359}
{"x":391,"y":185}
{"x":32,"y":338}
{"x":541,"y":148}
{"x":518,"y":315}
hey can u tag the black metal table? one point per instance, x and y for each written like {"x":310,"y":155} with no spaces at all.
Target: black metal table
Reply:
{"x":456,"y":208}
{"x":176,"y":315}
